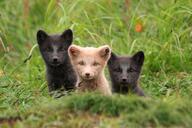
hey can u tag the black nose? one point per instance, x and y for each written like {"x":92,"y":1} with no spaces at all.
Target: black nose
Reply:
{"x":87,"y":74}
{"x":55,"y":59}
{"x":124,"y":79}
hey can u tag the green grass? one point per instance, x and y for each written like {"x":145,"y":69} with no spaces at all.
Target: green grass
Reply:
{"x":167,"y":73}
{"x":94,"y":110}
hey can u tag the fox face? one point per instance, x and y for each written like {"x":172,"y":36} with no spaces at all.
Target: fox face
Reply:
{"x":125,"y":70}
{"x":89,"y":62}
{"x":54,"y":47}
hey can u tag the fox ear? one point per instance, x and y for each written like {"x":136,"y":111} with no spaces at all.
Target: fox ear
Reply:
{"x":73,"y":51}
{"x":105,"y":51}
{"x":112,"y":58}
{"x":41,"y":36}
{"x":139,"y":57}
{"x":67,"y":35}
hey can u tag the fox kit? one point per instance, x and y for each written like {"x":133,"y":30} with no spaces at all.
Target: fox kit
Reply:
{"x":125,"y":72}
{"x":89,"y":64}
{"x":53,"y":49}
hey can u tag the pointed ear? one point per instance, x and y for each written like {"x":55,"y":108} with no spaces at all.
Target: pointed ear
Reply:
{"x":41,"y":36}
{"x":139,"y":57}
{"x":67,"y":35}
{"x":73,"y":51}
{"x":105,"y":51}
{"x":112,"y":58}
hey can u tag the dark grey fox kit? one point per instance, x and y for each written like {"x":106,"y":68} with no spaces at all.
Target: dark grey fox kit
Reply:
{"x":125,"y":72}
{"x":53,"y":49}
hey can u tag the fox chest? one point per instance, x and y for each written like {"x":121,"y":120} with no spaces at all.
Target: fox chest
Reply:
{"x":83,"y":86}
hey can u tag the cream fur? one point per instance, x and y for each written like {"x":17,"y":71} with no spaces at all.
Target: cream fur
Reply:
{"x":92,"y":61}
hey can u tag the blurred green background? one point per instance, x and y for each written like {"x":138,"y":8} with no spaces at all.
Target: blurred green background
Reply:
{"x":162,"y":29}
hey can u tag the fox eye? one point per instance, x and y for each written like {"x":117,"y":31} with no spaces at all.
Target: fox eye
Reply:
{"x":96,"y":64}
{"x":118,"y":69}
{"x":48,"y":49}
{"x":61,"y":49}
{"x":130,"y":70}
{"x":81,"y":63}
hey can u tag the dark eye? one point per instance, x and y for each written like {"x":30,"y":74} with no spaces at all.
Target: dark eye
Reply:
{"x":130,"y":70}
{"x":96,"y":64}
{"x":81,"y":63}
{"x":118,"y":69}
{"x":61,"y":49}
{"x":48,"y":49}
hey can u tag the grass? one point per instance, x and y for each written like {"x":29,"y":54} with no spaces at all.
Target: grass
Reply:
{"x":97,"y":110}
{"x":167,"y":73}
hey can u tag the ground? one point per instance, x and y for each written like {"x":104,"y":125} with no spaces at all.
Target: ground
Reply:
{"x":162,"y":29}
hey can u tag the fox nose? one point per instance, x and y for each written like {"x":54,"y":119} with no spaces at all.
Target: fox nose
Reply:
{"x":87,"y":74}
{"x":124,"y":79}
{"x":55,"y":59}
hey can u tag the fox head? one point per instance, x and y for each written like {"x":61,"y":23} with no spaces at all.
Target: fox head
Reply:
{"x":125,"y":70}
{"x":54,"y":47}
{"x":89,"y":62}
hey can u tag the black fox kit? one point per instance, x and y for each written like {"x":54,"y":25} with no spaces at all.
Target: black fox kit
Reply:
{"x":125,"y":72}
{"x":54,"y":49}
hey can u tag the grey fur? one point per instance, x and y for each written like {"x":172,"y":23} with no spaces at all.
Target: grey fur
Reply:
{"x":125,"y":71}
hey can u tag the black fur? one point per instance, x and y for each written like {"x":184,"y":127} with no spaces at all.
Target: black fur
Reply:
{"x":53,"y":49}
{"x":125,"y":72}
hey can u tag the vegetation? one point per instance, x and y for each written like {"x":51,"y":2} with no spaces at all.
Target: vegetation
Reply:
{"x":162,"y":29}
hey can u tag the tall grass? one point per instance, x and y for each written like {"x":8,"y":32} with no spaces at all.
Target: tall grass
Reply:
{"x":165,"y":38}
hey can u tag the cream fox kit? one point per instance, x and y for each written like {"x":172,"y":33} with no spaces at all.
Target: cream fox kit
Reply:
{"x":89,"y":64}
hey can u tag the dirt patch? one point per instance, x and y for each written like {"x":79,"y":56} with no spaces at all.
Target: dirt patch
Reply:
{"x":10,"y":121}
